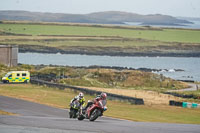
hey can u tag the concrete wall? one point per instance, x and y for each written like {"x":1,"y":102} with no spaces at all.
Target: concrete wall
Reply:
{"x":8,"y":55}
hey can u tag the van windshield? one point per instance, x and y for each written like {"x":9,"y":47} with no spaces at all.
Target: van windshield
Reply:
{"x":7,"y":74}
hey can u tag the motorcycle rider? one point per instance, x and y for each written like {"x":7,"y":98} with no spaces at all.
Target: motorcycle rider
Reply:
{"x":102,"y":97}
{"x":80,"y":98}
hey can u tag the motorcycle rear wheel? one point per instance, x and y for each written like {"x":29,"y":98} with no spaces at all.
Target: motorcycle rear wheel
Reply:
{"x":81,"y":117}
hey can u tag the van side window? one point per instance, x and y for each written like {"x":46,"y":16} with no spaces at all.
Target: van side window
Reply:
{"x":18,"y":74}
{"x":23,"y":74}
{"x":10,"y":76}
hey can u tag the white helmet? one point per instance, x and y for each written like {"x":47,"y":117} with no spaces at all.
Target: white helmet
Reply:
{"x":81,"y":95}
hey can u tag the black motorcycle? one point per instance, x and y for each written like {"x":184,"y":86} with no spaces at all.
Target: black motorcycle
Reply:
{"x":74,"y":108}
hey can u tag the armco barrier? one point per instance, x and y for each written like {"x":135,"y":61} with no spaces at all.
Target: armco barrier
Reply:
{"x":132,"y":100}
{"x":184,"y":104}
{"x":175,"y":103}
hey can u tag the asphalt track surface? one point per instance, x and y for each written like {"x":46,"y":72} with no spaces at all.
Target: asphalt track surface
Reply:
{"x":193,"y":87}
{"x":37,"y":118}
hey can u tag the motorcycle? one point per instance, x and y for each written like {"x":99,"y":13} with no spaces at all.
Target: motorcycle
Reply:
{"x":93,"y":111}
{"x":74,"y":107}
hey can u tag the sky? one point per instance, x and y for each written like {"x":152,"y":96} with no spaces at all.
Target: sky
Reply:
{"x":184,"y":8}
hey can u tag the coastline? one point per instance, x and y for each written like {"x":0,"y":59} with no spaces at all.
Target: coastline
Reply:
{"x":181,"y":68}
{"x":52,"y":50}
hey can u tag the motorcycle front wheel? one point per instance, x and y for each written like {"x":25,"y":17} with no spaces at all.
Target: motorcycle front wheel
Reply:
{"x":71,"y":113}
{"x":95,"y":114}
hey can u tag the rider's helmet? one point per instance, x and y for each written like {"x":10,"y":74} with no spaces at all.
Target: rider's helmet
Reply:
{"x":81,"y":95}
{"x":103,"y":96}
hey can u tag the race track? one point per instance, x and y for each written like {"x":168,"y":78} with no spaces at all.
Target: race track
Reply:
{"x":37,"y":118}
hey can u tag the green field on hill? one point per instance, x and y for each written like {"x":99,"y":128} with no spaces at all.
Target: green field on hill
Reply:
{"x":100,"y":39}
{"x":166,"y":35}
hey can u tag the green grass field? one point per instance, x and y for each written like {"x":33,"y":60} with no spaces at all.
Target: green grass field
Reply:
{"x":117,"y":109}
{"x":99,"y":39}
{"x":166,"y":35}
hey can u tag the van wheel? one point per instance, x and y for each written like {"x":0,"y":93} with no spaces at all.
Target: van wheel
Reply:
{"x":26,"y":81}
{"x":5,"y":81}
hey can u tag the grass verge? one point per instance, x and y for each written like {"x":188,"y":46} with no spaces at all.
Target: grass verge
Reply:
{"x":117,"y":109}
{"x":6,"y":113}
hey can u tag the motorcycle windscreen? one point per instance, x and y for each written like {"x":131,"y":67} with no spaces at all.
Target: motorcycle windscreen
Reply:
{"x":76,"y":104}
{"x":102,"y":103}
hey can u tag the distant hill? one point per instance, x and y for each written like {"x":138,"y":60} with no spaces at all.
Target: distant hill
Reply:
{"x":108,"y":17}
{"x":189,"y":18}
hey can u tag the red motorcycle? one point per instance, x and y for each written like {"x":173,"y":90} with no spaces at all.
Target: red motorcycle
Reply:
{"x":93,"y":111}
